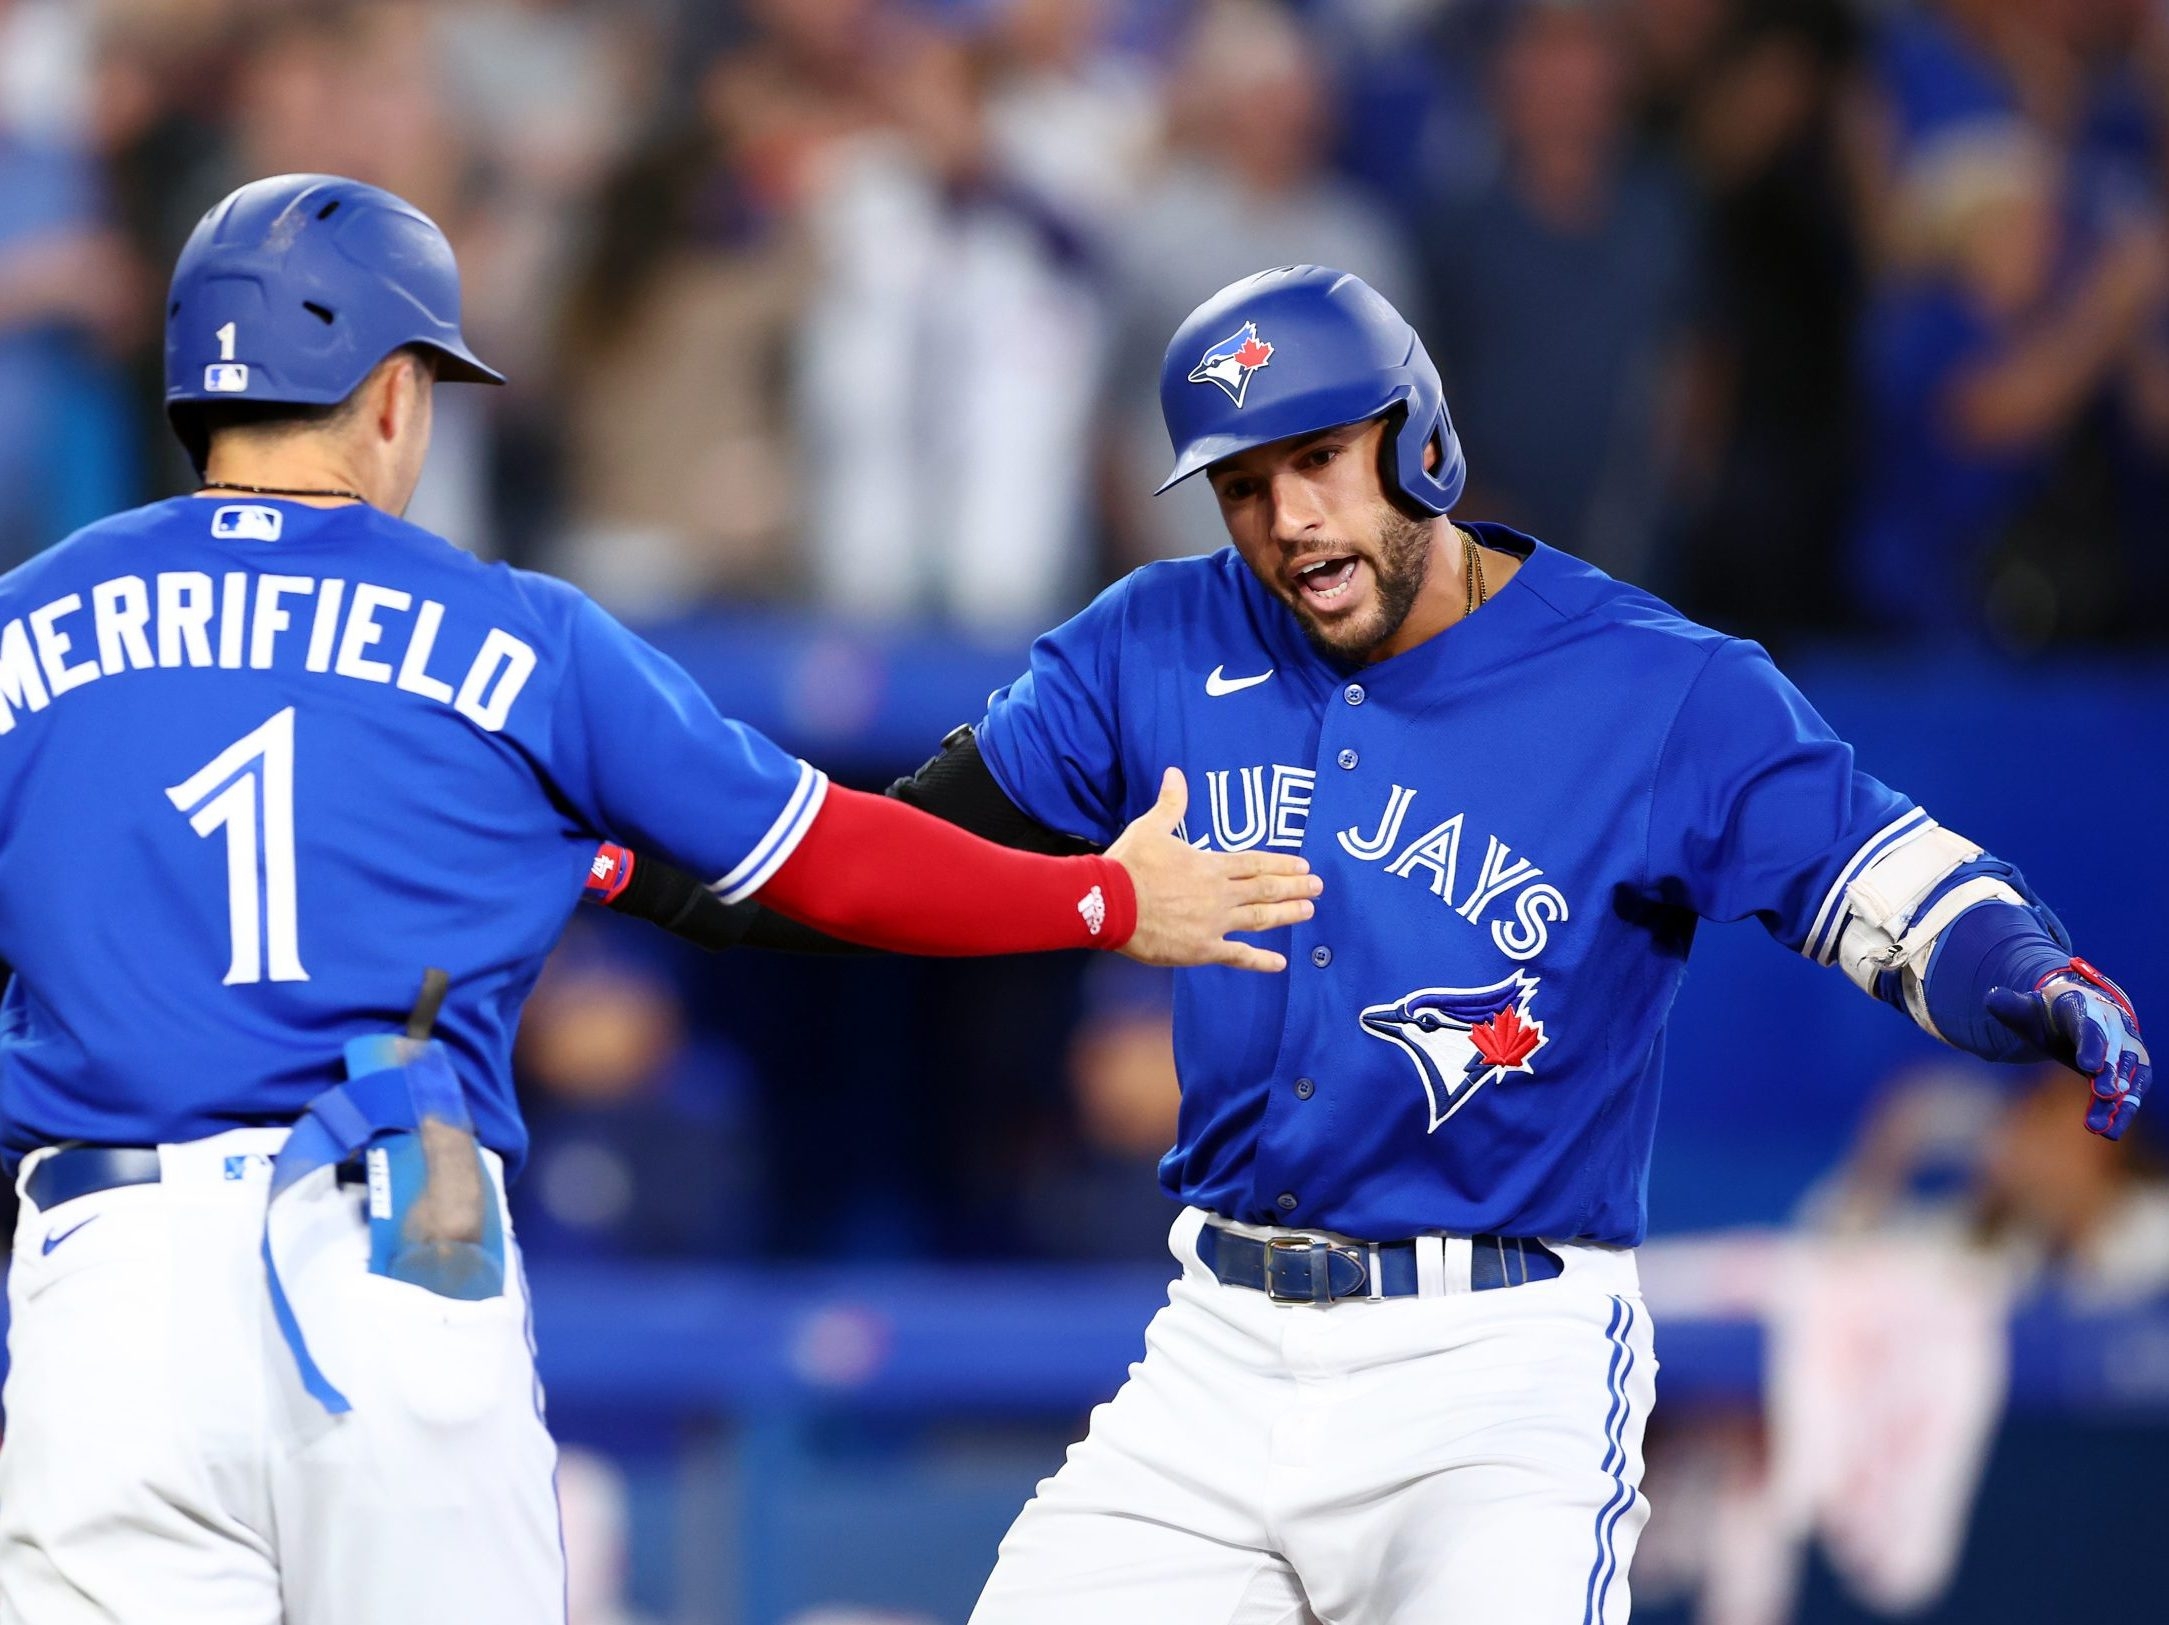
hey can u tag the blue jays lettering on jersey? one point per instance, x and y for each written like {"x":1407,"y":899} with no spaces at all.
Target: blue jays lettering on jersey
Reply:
{"x":1519,"y":822}
{"x":262,"y":763}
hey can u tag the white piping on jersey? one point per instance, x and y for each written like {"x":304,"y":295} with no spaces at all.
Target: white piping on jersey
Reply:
{"x":1888,"y":925}
{"x":770,"y":852}
{"x":1822,"y":938}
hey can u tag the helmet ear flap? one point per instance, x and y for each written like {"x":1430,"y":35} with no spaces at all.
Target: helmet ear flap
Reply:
{"x":1422,"y":468}
{"x":1452,"y":472}
{"x":1393,"y":450}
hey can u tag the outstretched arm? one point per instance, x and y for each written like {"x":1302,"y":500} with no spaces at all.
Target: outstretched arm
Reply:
{"x":1981,"y":963}
{"x":892,"y":877}
{"x":875,"y":872}
{"x":630,"y":742}
{"x":1760,"y":810}
{"x":954,"y":785}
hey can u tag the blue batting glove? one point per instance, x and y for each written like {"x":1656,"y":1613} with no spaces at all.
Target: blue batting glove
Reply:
{"x":2078,"y":1016}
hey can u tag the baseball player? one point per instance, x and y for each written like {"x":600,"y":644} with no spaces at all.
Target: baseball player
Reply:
{"x":1404,"y":1375}
{"x":294,"y":797}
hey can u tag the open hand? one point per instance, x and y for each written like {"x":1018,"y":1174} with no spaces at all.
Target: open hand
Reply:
{"x":2081,"y":1018}
{"x":1188,"y":901}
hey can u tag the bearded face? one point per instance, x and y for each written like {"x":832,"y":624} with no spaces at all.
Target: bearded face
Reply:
{"x":1311,"y":518}
{"x":1356,"y":596}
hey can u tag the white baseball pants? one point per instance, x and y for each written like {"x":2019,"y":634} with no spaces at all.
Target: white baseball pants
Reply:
{"x":1464,"y":1459}
{"x":162,"y":1465}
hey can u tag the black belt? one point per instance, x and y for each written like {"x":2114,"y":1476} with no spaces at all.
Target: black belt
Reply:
{"x":85,"y":1170}
{"x":1311,"y":1269}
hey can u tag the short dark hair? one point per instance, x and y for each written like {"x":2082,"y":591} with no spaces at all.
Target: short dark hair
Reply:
{"x":198,"y":423}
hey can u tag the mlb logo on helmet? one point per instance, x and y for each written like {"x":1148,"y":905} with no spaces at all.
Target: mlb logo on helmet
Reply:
{"x":226,"y":378}
{"x":247,"y":522}
{"x":1231,"y":362}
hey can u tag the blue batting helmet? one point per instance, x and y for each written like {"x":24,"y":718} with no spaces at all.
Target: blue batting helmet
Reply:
{"x":294,"y":287}
{"x":1299,"y":349}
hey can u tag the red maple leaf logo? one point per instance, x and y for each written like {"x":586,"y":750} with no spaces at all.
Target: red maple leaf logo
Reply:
{"x":1506,"y":1040}
{"x":1254,"y":353}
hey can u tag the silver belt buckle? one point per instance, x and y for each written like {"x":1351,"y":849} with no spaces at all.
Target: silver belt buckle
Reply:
{"x":1293,"y":1244}
{"x":1312,"y":1246}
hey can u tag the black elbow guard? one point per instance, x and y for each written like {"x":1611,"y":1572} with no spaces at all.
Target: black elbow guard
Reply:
{"x":958,"y":787}
{"x":667,"y":896}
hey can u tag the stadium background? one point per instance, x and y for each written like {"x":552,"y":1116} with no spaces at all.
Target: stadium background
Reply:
{"x":832,"y":325}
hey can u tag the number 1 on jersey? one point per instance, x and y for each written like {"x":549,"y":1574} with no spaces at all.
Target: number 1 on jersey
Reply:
{"x":247,"y":789}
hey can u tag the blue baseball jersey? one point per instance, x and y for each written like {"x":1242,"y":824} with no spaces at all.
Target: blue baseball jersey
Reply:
{"x":1518,"y":822}
{"x":261,"y":764}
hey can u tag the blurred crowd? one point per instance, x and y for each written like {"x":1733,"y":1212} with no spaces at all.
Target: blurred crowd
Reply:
{"x":1815,"y":315}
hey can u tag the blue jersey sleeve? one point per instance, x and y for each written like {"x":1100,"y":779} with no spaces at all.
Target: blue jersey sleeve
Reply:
{"x":1050,"y":738}
{"x":644,"y":756}
{"x":1758,"y":808}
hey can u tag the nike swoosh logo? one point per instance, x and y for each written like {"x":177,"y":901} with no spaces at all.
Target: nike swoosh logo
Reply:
{"x":60,"y":1236}
{"x":1217,"y":685}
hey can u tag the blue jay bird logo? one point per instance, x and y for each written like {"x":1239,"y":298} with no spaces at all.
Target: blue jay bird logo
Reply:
{"x":1461,"y":1038}
{"x":1231,"y":362}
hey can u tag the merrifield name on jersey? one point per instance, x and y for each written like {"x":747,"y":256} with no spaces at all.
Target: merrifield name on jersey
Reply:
{"x":358,"y":629}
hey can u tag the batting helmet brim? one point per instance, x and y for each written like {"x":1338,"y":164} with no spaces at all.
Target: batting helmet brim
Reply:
{"x":463,"y":366}
{"x":1291,"y":420}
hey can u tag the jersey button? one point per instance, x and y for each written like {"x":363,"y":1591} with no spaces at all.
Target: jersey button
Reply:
{"x":1304,"y":1088}
{"x":1321,"y":956}
{"x":1348,"y":758}
{"x":1354,"y":693}
{"x":1285,"y":1201}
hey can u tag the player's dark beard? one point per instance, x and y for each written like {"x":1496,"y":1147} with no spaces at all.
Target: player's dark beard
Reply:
{"x":1401,"y":565}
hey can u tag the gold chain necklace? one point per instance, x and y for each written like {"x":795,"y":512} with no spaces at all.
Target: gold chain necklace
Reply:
{"x":1473,"y":573}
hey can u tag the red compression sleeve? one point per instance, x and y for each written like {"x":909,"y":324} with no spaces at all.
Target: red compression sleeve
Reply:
{"x":874,"y":871}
